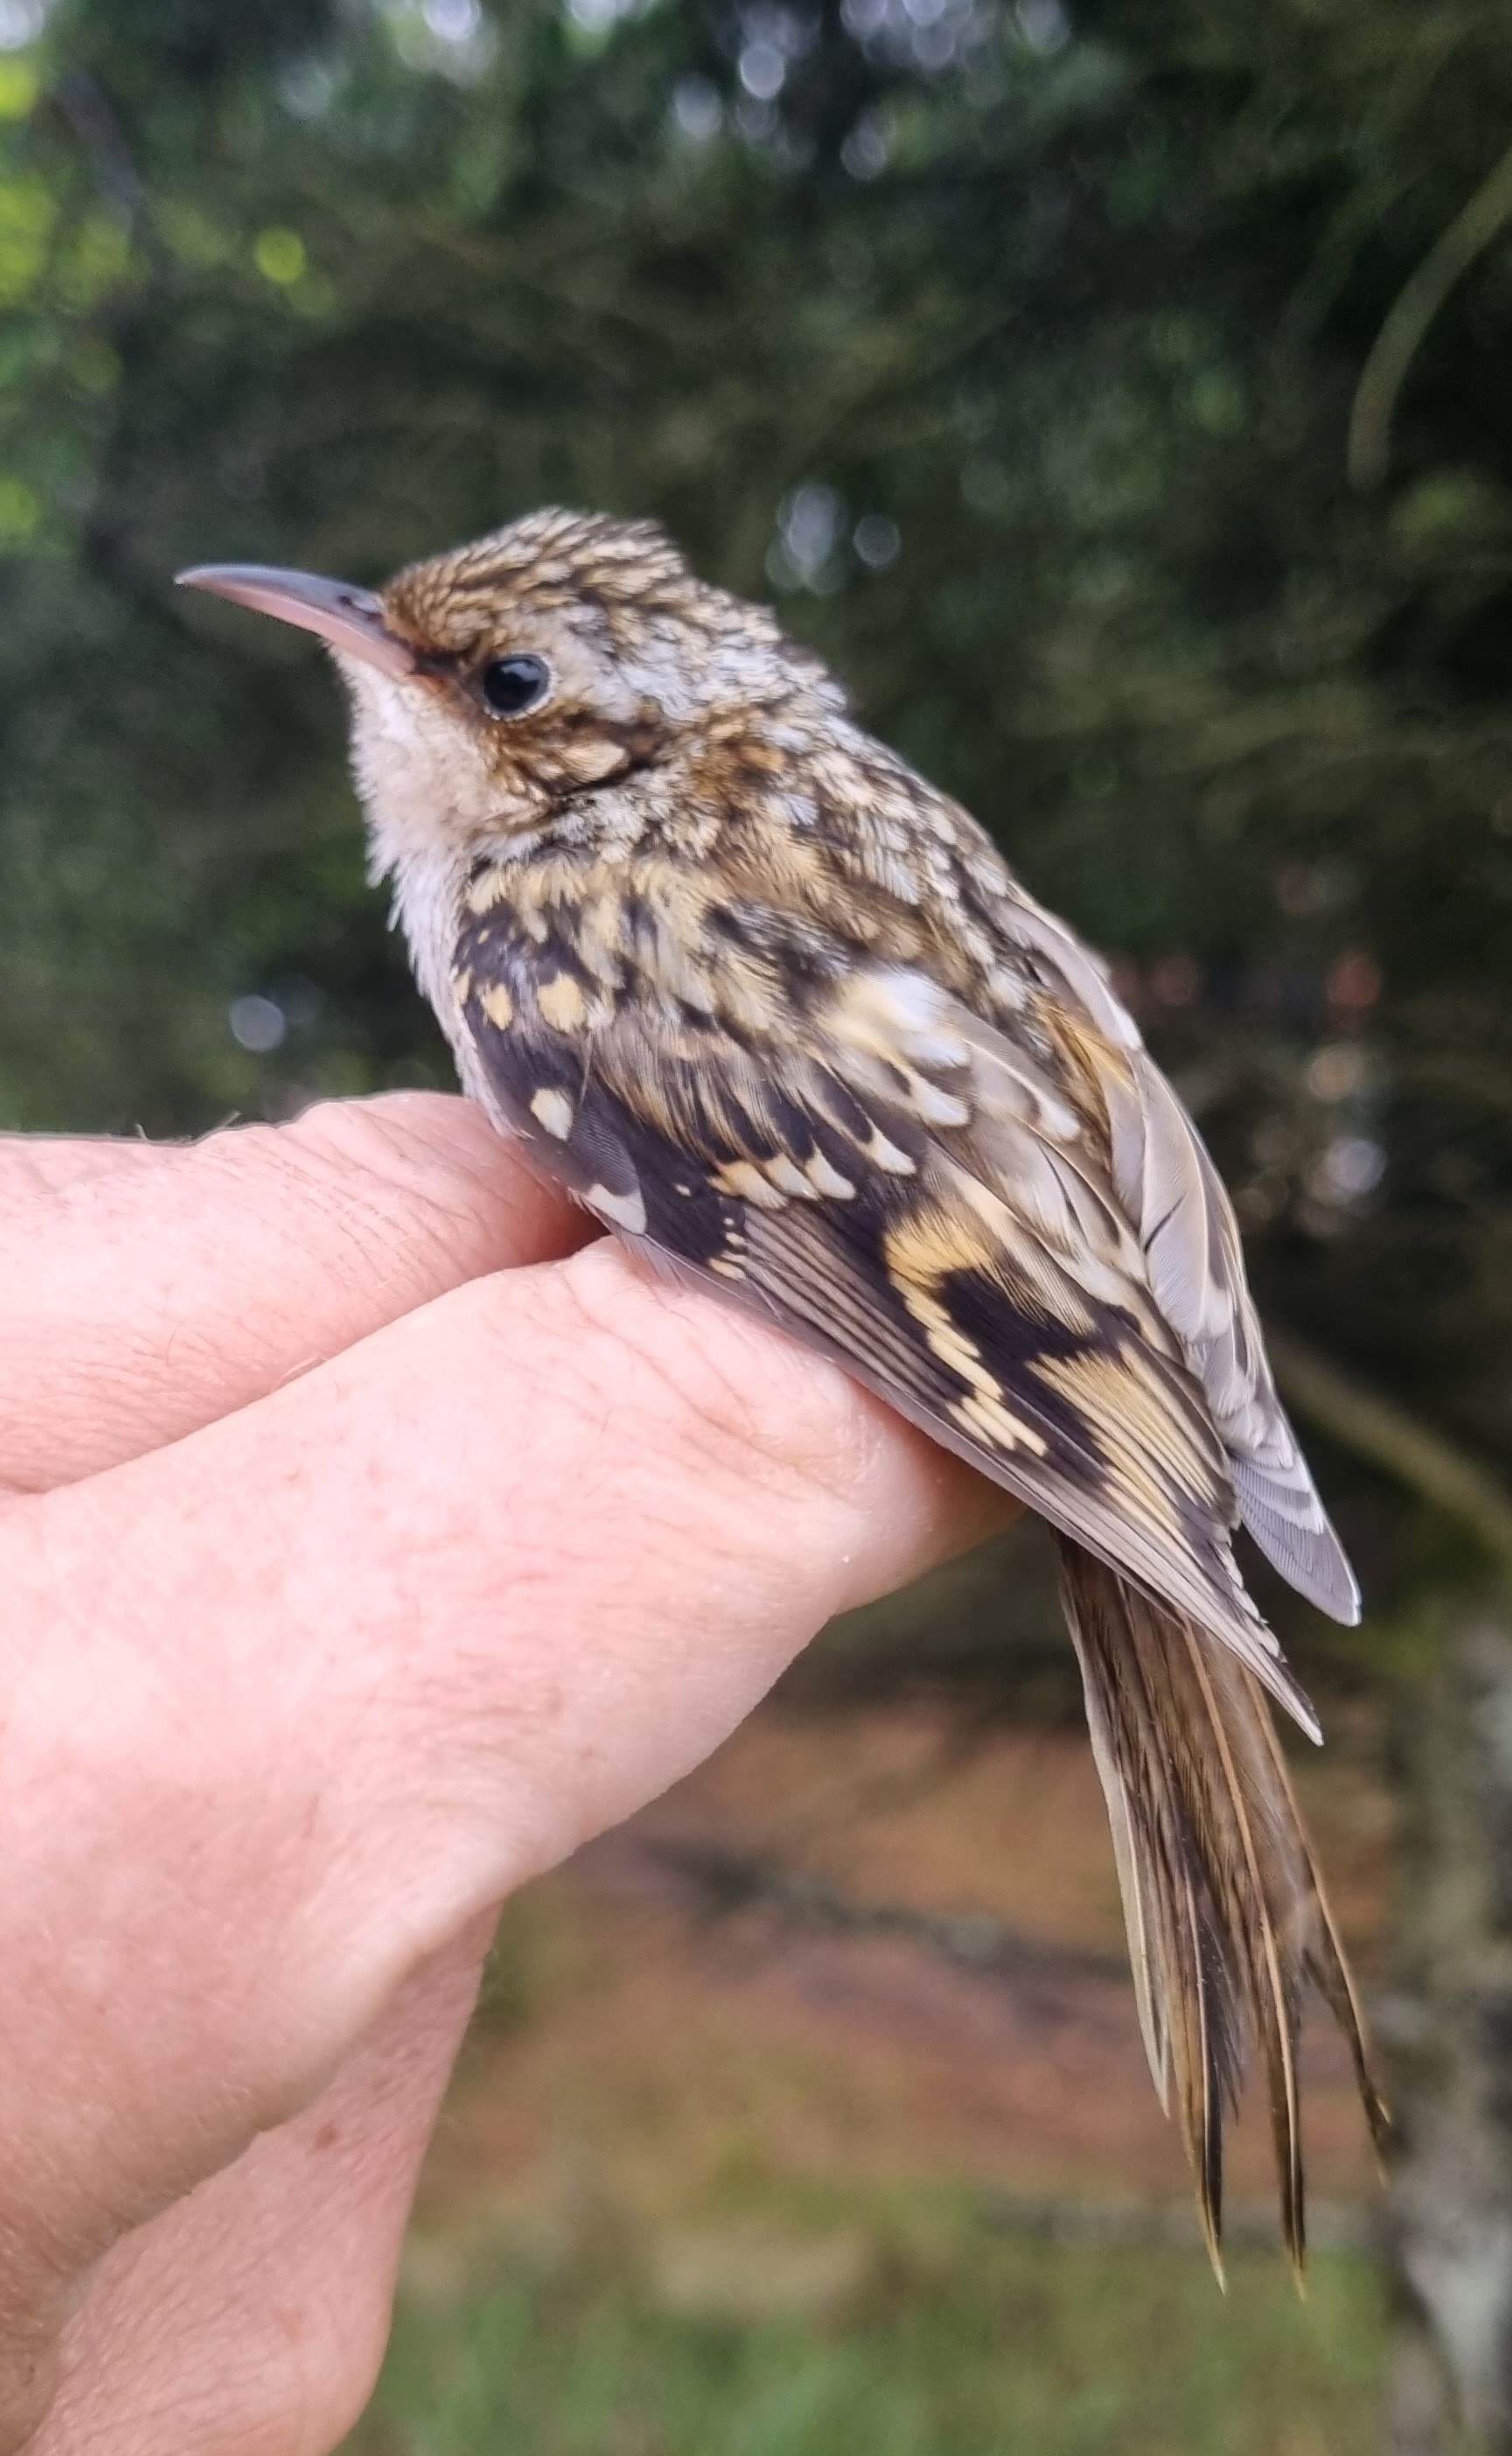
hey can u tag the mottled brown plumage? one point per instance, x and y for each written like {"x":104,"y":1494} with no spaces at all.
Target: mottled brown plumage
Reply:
{"x":777,"y":1013}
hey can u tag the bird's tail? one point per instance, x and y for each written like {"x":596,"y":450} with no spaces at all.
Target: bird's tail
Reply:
{"x":1225,"y":1912}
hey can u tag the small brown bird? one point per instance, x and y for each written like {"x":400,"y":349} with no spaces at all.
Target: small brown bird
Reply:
{"x":773,"y":1007}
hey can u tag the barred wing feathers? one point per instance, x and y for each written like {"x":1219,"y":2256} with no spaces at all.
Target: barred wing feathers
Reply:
{"x":932,"y":1201}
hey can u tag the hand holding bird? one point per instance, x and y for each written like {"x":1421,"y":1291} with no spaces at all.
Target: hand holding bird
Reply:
{"x":313,"y":1654}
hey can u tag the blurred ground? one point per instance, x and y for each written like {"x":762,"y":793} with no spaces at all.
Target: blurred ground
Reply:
{"x":835,"y":2047}
{"x":638,"y":2051}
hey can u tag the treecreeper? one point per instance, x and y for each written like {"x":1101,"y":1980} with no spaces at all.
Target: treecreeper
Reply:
{"x":773,"y":1007}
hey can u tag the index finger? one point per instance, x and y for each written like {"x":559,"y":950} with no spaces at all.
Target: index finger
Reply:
{"x":146,"y":1291}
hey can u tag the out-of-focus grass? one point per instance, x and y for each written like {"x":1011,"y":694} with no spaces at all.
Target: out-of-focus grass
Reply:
{"x":1004,"y":2347}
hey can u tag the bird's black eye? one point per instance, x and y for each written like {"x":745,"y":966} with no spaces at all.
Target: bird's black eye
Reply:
{"x":513,"y":686}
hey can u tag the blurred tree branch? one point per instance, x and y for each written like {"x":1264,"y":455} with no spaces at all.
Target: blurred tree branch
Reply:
{"x":728,"y":1881}
{"x":1377,"y":1429}
{"x":1419,"y":301}
{"x":95,"y":124}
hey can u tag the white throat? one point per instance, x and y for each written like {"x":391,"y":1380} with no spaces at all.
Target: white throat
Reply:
{"x":426,"y":795}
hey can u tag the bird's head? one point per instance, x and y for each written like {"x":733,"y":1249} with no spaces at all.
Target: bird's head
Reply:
{"x":494,"y":685}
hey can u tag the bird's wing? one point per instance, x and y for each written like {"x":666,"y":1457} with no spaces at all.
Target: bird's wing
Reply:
{"x":925,"y":1197}
{"x":1168,"y":1190}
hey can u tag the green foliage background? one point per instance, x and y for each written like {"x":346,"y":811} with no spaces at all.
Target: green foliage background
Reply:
{"x":1078,"y":301}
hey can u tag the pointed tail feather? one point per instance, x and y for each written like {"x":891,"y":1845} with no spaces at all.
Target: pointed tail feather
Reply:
{"x":1226,"y":1916}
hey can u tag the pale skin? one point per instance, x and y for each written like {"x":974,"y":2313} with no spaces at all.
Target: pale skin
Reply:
{"x":371,"y":1541}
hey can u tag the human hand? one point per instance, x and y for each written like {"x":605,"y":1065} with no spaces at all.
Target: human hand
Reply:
{"x":373,"y":1542}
